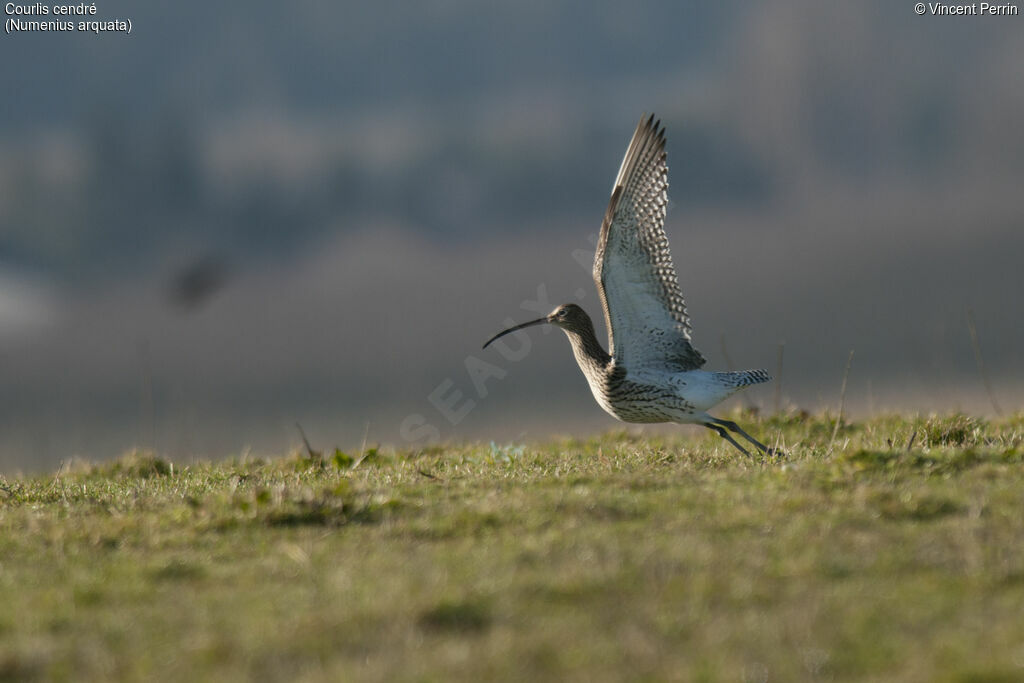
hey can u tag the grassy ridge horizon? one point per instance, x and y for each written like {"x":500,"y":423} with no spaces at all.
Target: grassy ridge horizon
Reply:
{"x":890,"y":548}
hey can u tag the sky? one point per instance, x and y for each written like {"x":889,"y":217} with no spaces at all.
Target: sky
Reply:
{"x":227,"y":222}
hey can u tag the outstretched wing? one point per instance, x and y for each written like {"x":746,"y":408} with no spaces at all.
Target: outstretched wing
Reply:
{"x":643,"y":307}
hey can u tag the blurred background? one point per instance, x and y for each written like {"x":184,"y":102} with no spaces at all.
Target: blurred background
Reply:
{"x":233,"y":220}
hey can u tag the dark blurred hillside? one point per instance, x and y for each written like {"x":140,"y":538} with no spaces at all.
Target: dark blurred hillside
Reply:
{"x":254,"y":132}
{"x":236,"y":218}
{"x":321,"y":57}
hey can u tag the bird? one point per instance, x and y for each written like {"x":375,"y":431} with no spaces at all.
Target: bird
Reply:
{"x":651,"y":372}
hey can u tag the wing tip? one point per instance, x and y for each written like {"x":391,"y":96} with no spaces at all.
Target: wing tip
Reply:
{"x":649,"y":136}
{"x":649,"y":123}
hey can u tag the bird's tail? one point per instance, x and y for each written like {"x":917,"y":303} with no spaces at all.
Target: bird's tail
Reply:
{"x":741,"y":379}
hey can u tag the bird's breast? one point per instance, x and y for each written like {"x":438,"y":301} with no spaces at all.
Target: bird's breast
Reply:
{"x":635,"y":400}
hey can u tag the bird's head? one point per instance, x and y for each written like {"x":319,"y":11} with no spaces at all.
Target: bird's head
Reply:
{"x":569,"y":317}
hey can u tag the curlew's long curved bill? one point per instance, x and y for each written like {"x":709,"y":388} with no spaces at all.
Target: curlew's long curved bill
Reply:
{"x":510,"y":330}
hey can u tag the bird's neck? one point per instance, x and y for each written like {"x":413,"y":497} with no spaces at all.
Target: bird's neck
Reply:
{"x":590,"y":356}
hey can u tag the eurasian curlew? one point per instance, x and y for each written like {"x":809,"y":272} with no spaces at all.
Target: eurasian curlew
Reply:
{"x":651,"y":372}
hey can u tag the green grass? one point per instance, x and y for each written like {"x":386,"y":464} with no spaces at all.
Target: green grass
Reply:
{"x":607,"y":559}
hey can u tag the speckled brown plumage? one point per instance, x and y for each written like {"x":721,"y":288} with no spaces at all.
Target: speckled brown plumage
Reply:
{"x":651,"y":371}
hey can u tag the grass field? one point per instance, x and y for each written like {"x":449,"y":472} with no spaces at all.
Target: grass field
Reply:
{"x":896,"y":554}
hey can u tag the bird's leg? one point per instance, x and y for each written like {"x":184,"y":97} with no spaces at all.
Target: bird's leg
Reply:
{"x":728,"y":424}
{"x":725,"y":435}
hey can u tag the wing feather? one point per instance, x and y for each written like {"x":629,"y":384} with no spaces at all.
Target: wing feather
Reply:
{"x":643,"y":307}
